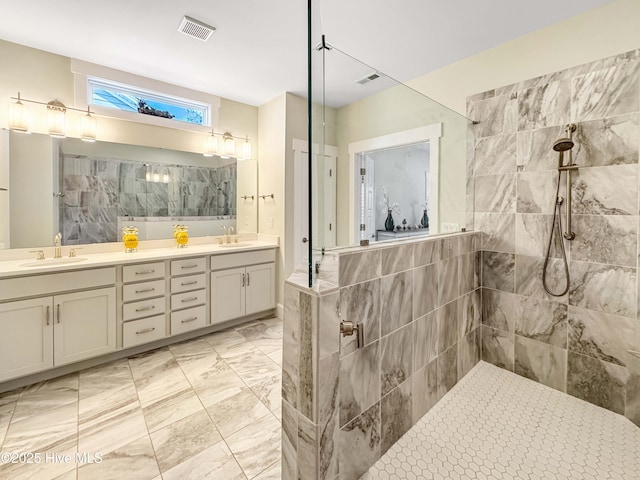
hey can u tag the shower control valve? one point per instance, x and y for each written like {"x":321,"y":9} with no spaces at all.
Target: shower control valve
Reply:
{"x":348,"y":328}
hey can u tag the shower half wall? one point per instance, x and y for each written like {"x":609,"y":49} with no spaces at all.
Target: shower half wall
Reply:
{"x":578,"y":343}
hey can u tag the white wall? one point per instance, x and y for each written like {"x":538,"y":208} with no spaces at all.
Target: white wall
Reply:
{"x":4,"y":195}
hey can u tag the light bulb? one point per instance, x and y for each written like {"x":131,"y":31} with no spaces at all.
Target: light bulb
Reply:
{"x":211,"y":148}
{"x":88,"y":127}
{"x":56,"y":113}
{"x":246,"y":149}
{"x":19,"y":117}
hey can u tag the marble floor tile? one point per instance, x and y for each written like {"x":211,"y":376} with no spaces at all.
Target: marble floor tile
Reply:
{"x":256,"y":445}
{"x":158,"y":377}
{"x":253,"y":367}
{"x":218,"y":386}
{"x":214,"y":463}
{"x":134,"y":460}
{"x":94,"y":380}
{"x":274,"y":472}
{"x":184,"y":439}
{"x":225,"y":343}
{"x":237,"y":411}
{"x":276,"y":357}
{"x":269,"y":391}
{"x":171,"y":409}
{"x":46,"y":395}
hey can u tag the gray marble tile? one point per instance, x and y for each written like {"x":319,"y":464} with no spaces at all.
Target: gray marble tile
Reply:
{"x":601,"y":335}
{"x":359,"y":381}
{"x":496,"y":155}
{"x":425,"y":290}
{"x":532,"y":235}
{"x":621,"y":95}
{"x":447,"y":280}
{"x":468,"y":243}
{"x":269,"y":390}
{"x":632,"y":403}
{"x":605,"y":288}
{"x":290,"y":425}
{"x":541,"y":320}
{"x":468,"y":353}
{"x":490,"y":115}
{"x":447,"y":370}
{"x":395,"y":415}
{"x":535,"y":152}
{"x":307,"y":448}
{"x":611,"y":190}
{"x":359,"y":444}
{"x":597,"y":382}
{"x":607,"y":141}
{"x":359,"y":267}
{"x":328,"y":416}
{"x":217,"y":385}
{"x":425,"y":390}
{"x":466,"y":273}
{"x":171,"y":409}
{"x":289,"y":460}
{"x":307,"y":358}
{"x":136,"y":459}
{"x":498,"y":231}
{"x":498,"y":309}
{"x":497,"y":347}
{"x":541,"y":362}
{"x":112,"y":375}
{"x":469,"y":312}
{"x":46,"y":395}
{"x":360,"y":304}
{"x":183,"y":439}
{"x":237,"y":411}
{"x":536,"y":192}
{"x":495,"y":193}
{"x":426,"y":252}
{"x":274,"y":472}
{"x":425,"y":340}
{"x":396,"y":364}
{"x":291,"y":336}
{"x":257,"y":445}
{"x":447,"y":326}
{"x":529,"y":277}
{"x":608,"y":239}
{"x":215,"y":462}
{"x":253,"y":366}
{"x":498,"y":271}
{"x":157,"y":376}
{"x":544,"y":106}
{"x":329,"y":324}
{"x":397,"y":259}
{"x":449,"y":247}
{"x":396,"y":301}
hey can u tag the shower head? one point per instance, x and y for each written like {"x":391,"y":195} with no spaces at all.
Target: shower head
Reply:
{"x":563,"y":144}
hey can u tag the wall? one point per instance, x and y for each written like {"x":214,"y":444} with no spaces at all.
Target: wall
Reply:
{"x":343,"y":406}
{"x":578,"y":343}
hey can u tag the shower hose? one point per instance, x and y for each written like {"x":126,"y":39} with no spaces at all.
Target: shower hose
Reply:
{"x":556,"y":225}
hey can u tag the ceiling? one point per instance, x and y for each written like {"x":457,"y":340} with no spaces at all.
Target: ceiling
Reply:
{"x":259,"y":48}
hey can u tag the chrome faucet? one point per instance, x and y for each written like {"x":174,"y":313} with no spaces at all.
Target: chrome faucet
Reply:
{"x":229,"y":233}
{"x":58,"y":250}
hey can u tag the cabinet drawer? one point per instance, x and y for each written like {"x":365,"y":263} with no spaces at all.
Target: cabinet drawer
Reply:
{"x":233,"y":260}
{"x":143,"y":308}
{"x":145,"y":271}
{"x":192,"y":282}
{"x":143,"y":331}
{"x":188,"y":299}
{"x":140,"y":291}
{"x":188,"y":265}
{"x":190,"y":319}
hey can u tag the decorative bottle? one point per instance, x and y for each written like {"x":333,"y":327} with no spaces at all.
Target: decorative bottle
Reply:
{"x":181,"y":235}
{"x":130,"y":239}
{"x":424,"y":221}
{"x":388,"y":223}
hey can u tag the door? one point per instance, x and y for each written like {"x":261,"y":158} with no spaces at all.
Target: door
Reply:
{"x":26,"y":343}
{"x":260,"y":288}
{"x":85,"y":325}
{"x":227,"y":294}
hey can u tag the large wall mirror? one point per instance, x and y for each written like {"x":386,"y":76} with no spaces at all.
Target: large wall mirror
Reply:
{"x":89,"y":191}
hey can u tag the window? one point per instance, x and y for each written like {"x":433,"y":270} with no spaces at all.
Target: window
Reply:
{"x":105,"y":93}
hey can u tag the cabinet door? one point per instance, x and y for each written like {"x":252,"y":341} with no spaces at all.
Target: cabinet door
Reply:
{"x":85,"y":325}
{"x":227,"y":294}
{"x":26,"y":343}
{"x":261,"y":290}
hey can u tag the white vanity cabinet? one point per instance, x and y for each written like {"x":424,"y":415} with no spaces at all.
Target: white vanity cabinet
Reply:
{"x":188,"y":294}
{"x":242,"y":284}
{"x":59,"y":328}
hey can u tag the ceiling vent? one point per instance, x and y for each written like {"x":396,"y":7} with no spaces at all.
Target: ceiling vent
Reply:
{"x":194,"y":28}
{"x":368,"y":78}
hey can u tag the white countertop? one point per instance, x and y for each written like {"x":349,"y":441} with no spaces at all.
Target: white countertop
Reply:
{"x":21,"y":267}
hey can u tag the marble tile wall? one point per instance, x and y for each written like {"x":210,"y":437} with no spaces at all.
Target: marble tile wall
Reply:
{"x":578,"y":343}
{"x":97,"y":190}
{"x":419,"y":303}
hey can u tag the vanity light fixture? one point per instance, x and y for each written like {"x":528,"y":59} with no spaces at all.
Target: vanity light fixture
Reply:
{"x":56,"y":113}
{"x":246,"y":149}
{"x":228,"y":147}
{"x":19,"y":116}
{"x":212,"y":145}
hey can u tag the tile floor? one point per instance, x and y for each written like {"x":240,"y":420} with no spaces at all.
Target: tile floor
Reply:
{"x":206,"y":408}
{"x":495,"y":425}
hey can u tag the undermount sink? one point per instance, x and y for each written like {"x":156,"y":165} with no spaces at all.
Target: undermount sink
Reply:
{"x":53,"y":261}
{"x":235,"y":245}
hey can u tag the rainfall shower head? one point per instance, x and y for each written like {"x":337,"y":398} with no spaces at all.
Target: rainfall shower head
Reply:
{"x":563,"y":144}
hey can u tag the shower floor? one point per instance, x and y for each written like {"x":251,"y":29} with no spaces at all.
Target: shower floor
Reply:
{"x":496,"y":425}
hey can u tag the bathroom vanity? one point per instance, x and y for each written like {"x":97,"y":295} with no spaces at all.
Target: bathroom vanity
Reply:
{"x":63,"y":312}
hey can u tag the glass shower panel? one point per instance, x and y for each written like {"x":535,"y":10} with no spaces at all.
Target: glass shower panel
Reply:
{"x":387,"y":162}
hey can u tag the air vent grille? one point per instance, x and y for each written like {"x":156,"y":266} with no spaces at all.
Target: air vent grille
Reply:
{"x":196,"y":29}
{"x":372,"y":76}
